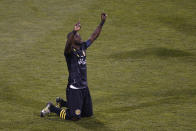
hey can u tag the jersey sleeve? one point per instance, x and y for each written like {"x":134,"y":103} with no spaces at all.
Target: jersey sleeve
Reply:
{"x":87,"y":43}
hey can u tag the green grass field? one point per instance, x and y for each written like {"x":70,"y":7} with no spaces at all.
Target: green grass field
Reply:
{"x":141,"y":70}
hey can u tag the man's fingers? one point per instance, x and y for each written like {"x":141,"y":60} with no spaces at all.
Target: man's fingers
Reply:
{"x":78,"y":25}
{"x":103,"y":14}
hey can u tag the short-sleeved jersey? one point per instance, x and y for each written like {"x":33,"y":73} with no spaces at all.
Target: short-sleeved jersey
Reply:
{"x":76,"y":63}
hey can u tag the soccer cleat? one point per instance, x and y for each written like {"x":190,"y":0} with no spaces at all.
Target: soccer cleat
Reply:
{"x":46,"y":110}
{"x":58,"y":102}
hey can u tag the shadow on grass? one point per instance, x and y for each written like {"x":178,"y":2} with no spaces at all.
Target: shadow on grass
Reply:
{"x":159,"y":52}
{"x":54,"y":117}
{"x":90,"y":123}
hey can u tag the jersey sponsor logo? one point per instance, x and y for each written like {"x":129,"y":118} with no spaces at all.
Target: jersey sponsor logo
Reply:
{"x":82,"y":61}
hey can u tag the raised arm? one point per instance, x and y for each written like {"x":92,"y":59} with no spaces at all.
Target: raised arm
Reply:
{"x":98,"y":29}
{"x":70,"y":38}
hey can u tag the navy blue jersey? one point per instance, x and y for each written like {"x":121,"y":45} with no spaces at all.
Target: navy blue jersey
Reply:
{"x":76,"y":63}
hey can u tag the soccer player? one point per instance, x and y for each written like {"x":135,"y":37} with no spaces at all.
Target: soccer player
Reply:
{"x":78,"y":102}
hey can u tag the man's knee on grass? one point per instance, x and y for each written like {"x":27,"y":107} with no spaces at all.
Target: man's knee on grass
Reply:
{"x":75,"y":114}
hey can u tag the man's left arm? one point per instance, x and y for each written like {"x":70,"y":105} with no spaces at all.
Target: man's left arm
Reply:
{"x":97,"y":32}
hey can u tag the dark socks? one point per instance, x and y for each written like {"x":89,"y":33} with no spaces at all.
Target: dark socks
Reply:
{"x":55,"y":109}
{"x":60,"y":112}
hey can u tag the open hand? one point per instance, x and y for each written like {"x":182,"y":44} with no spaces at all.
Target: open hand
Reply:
{"x":103,"y":16}
{"x":77,"y":26}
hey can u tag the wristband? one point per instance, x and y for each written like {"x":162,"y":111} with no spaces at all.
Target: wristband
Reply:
{"x":102,"y":22}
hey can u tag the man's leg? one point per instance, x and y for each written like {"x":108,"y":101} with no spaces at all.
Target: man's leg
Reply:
{"x":50,"y":108}
{"x":87,"y":109}
{"x":64,"y":114}
{"x":74,"y":103}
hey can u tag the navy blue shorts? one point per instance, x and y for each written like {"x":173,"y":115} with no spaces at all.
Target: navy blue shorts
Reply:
{"x":79,"y":103}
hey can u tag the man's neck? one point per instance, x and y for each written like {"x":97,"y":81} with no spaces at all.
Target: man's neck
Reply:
{"x":76,"y":46}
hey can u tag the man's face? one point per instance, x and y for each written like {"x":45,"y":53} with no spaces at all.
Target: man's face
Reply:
{"x":78,"y":39}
